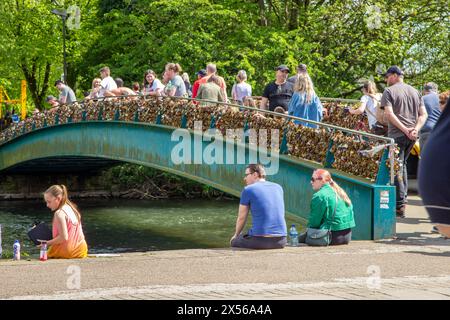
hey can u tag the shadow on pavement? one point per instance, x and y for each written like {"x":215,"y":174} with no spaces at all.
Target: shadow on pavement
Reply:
{"x":413,"y":221}
{"x":432,"y":254}
{"x":415,"y":202}
{"x":416,"y":239}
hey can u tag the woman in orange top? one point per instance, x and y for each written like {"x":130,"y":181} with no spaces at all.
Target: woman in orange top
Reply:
{"x":68,"y":239}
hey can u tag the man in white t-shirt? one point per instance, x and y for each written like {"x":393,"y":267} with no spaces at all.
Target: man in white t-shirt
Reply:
{"x":108,"y":84}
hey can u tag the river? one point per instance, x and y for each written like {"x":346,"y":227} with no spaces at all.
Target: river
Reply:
{"x":114,"y":226}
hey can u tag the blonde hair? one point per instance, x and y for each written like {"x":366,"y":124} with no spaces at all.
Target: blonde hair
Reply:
{"x":304,"y":84}
{"x":370,"y":87}
{"x":106,"y":70}
{"x":326,"y":176}
{"x":241,"y":76}
{"x":94,"y":81}
{"x":61,"y":191}
{"x":185,"y":77}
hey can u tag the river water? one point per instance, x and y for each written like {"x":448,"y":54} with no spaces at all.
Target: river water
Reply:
{"x":114,"y":226}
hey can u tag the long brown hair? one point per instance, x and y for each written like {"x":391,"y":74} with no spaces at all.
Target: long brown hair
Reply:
{"x":149,"y":71}
{"x":326,"y":176}
{"x":57,"y":190}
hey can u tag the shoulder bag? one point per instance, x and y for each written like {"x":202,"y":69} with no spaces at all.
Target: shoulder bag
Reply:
{"x":381,"y":126}
{"x":40,"y":231}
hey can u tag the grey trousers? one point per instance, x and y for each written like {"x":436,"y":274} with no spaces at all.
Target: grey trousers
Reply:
{"x":253,"y":242}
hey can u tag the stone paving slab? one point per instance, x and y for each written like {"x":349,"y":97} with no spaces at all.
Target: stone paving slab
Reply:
{"x":356,"y":288}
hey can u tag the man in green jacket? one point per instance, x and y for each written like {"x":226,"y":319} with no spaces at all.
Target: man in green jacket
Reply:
{"x":211,"y":91}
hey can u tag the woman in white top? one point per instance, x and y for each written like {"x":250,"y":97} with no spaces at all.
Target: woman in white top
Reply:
{"x":241,"y":89}
{"x":152,"y":86}
{"x":369,"y":101}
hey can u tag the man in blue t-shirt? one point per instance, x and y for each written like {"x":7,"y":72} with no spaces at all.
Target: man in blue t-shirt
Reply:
{"x":265,"y":200}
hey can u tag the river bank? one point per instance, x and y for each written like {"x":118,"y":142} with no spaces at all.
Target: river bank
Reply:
{"x":126,"y":181}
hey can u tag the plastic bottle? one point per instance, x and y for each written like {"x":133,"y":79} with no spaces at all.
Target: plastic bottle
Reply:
{"x":16,"y":250}
{"x":15,"y":118}
{"x":43,"y":253}
{"x":293,"y":236}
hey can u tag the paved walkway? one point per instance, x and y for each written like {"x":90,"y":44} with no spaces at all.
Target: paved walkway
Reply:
{"x":415,"y":265}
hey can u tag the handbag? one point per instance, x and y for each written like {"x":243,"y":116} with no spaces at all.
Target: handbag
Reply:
{"x":380,"y":129}
{"x":320,"y":237}
{"x":40,"y":231}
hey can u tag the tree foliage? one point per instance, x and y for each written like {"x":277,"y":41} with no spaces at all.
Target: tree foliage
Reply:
{"x":341,"y":41}
{"x":31,"y":45}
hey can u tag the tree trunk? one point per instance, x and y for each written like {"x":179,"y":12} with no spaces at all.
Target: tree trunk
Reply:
{"x":262,"y":13}
{"x":30,"y":75}
{"x":293,"y":15}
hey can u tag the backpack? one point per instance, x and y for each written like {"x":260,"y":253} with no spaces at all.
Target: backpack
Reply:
{"x":380,"y":114}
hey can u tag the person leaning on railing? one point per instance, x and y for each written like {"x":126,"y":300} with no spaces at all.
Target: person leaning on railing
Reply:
{"x":331,"y":208}
{"x":369,"y":102}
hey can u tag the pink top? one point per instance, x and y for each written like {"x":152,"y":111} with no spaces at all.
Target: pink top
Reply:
{"x":75,"y":246}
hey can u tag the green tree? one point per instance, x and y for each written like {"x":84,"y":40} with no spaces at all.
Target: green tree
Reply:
{"x":341,"y":41}
{"x":31,"y":44}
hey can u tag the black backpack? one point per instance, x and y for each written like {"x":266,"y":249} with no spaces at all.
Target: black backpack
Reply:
{"x":40,"y":231}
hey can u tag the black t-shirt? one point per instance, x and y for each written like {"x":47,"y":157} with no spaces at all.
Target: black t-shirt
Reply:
{"x":434,"y":171}
{"x":279,"y":95}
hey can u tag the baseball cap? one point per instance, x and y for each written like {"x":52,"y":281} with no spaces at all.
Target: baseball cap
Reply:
{"x":202,"y":72}
{"x":393,"y":69}
{"x":282,"y":67}
{"x":49,"y":98}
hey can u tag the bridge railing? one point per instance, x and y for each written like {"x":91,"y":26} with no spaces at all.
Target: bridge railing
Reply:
{"x":355,"y":152}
